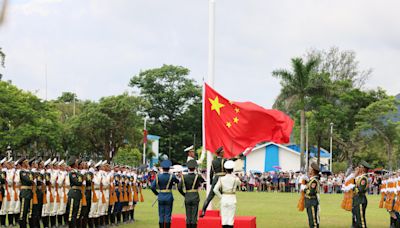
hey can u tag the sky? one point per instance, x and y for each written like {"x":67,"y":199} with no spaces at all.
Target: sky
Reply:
{"x":94,"y":47}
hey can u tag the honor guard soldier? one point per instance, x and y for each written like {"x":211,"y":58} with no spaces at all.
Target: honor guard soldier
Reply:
{"x":3,"y":198}
{"x":217,"y":171}
{"x":161,"y":187}
{"x":88,"y":193}
{"x":191,"y":155}
{"x":26,"y":194}
{"x":75,"y":193}
{"x":360,"y":201}
{"x":38,"y":175}
{"x":226,"y":190}
{"x":62,"y":191}
{"x":311,"y":197}
{"x":189,"y":188}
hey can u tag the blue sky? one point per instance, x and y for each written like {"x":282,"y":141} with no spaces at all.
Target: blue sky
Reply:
{"x":94,"y":47}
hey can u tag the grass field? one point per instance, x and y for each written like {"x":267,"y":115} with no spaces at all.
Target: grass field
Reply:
{"x":271,"y":210}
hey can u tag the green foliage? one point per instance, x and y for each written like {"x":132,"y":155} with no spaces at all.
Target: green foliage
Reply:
{"x":67,"y":97}
{"x":2,"y":60}
{"x":174,"y":107}
{"x":128,"y":156}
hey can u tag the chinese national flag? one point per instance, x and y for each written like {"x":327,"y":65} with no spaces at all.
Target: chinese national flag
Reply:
{"x":144,"y":136}
{"x":239,"y":126}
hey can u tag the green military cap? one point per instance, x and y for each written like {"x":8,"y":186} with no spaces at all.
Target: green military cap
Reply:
{"x":31,"y":160}
{"x":192,"y":164}
{"x":315,"y":166}
{"x":365,"y":164}
{"x":71,"y":161}
{"x":219,"y":150}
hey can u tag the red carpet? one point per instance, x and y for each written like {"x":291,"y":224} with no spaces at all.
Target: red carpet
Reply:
{"x":213,"y":220}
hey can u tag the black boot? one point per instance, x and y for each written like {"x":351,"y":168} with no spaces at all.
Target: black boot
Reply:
{"x":53,"y":221}
{"x":167,"y":225}
{"x":45,"y":221}
{"x":161,"y":225}
{"x":59,"y":220}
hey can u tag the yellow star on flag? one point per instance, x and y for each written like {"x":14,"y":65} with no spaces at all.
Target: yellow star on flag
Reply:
{"x":215,"y":105}
{"x":237,"y":110}
{"x":228,"y":124}
{"x":236,"y":120}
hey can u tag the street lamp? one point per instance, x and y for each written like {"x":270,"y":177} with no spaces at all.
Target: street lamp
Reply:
{"x":330,"y":149}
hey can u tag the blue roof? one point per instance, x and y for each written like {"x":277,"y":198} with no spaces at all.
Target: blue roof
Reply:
{"x":313,"y":151}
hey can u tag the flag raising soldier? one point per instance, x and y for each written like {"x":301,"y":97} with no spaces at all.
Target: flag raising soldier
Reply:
{"x":360,"y":201}
{"x":161,"y":187}
{"x":217,"y":170}
{"x":188,"y":187}
{"x":311,"y":197}
{"x":225,"y":188}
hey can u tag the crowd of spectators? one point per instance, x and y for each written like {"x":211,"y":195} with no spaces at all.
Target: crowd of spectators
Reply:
{"x":284,"y":181}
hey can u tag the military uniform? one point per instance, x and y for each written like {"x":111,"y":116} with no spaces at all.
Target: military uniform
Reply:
{"x":3,"y":198}
{"x":217,"y":171}
{"x":360,"y":201}
{"x":37,"y":208}
{"x":26,"y":196}
{"x":94,"y":213}
{"x":311,"y":201}
{"x":188,"y":187}
{"x":74,"y":205}
{"x":161,"y":187}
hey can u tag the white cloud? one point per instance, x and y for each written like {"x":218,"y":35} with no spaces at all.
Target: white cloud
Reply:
{"x":94,"y":47}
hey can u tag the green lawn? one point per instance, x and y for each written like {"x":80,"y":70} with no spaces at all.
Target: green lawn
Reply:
{"x":271,"y":210}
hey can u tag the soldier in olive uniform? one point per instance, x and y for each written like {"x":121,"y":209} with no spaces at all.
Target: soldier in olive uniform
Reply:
{"x":217,"y":171}
{"x":2,"y":190}
{"x":38,"y":174}
{"x":74,"y":204}
{"x":360,"y":201}
{"x":188,"y":187}
{"x":161,"y":187}
{"x":311,"y":198}
{"x":26,"y":194}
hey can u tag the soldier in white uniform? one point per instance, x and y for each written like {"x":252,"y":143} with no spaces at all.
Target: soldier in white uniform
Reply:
{"x":226,"y":190}
{"x":55,"y":192}
{"x":15,"y":206}
{"x":46,"y":210}
{"x":62,"y":191}
{"x":94,"y":212}
{"x":12,"y":220}
{"x":191,"y":155}
{"x":105,"y":193}
{"x":3,"y":192}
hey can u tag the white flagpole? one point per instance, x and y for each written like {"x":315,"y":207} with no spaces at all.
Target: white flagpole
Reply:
{"x":210,"y":79}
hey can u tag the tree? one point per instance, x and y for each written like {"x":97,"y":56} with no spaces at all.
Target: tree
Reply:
{"x":174,"y":106}
{"x":2,"y":61}
{"x":296,"y":87}
{"x":377,"y":120}
{"x":128,"y":156}
{"x":67,"y":97}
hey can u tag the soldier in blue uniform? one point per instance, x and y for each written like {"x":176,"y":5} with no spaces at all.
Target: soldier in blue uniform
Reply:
{"x":360,"y":201}
{"x":161,"y":187}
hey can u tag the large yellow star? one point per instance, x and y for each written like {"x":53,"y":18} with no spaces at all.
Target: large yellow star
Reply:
{"x":215,"y":105}
{"x":236,"y":120}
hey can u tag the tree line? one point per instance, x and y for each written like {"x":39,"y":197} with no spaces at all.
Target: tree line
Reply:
{"x":320,"y":88}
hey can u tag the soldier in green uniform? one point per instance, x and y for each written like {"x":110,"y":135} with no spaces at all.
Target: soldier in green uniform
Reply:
{"x":38,"y":175}
{"x":360,"y":201}
{"x":311,"y":197}
{"x":217,"y":171}
{"x":74,"y":204}
{"x":26,"y":194}
{"x":188,"y":187}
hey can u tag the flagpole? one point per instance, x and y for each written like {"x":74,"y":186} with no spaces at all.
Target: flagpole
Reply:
{"x":210,"y":79}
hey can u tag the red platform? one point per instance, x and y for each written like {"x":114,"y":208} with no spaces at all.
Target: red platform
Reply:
{"x":213,"y":220}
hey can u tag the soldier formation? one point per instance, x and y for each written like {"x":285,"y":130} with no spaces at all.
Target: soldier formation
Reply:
{"x":53,"y":193}
{"x":354,"y":198}
{"x":390,"y":197}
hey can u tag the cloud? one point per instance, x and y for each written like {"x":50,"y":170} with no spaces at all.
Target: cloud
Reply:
{"x":95,"y":47}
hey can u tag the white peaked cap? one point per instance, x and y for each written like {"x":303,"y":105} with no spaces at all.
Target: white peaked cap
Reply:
{"x":9,"y":160}
{"x":61,"y":162}
{"x":54,"y":161}
{"x":3,"y":160}
{"x":98,"y":163}
{"x":90,"y":162}
{"x":47,"y":162}
{"x":104,"y":162}
{"x":189,"y":148}
{"x":229,"y":164}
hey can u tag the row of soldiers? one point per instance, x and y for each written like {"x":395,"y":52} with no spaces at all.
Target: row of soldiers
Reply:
{"x":354,"y":200}
{"x":74,"y":193}
{"x":390,"y":197}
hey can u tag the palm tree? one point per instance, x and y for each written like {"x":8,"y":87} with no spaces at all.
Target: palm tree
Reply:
{"x":296,"y":87}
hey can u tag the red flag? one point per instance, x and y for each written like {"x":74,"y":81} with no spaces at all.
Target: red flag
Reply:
{"x":144,"y":136}
{"x":239,"y":126}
